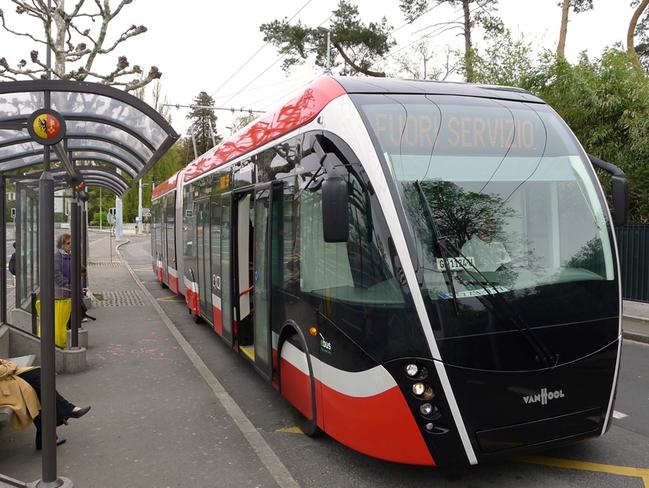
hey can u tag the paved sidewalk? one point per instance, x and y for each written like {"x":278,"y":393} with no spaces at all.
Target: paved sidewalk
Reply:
{"x":636,"y":321}
{"x":154,"y":422}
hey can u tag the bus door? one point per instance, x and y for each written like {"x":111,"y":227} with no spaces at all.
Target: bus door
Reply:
{"x":243,"y":215}
{"x":215,"y":256}
{"x":223,"y":274}
{"x":204,"y":278}
{"x":263,"y":239}
{"x":163,"y":240}
{"x":252,"y":258}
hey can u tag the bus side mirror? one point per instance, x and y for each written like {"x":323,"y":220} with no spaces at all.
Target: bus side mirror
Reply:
{"x":335,"y":200}
{"x":619,"y":190}
{"x":620,"y":194}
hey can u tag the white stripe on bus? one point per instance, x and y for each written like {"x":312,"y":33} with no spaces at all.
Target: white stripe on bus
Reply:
{"x":366,"y":383}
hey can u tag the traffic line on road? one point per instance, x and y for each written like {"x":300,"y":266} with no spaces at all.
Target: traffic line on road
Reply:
{"x":172,"y":298}
{"x":641,"y":473}
{"x":290,"y":430}
{"x":619,"y":415}
{"x":265,"y":453}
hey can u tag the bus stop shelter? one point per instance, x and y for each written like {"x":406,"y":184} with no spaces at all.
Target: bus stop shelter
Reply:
{"x":66,"y":134}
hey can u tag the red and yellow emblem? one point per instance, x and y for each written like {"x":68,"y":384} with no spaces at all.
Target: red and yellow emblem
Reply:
{"x":47,"y":126}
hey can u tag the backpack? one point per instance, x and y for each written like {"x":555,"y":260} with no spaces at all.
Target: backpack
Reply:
{"x":12,"y":264}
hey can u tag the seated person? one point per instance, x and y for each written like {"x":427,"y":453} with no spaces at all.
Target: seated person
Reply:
{"x":488,"y":254}
{"x":20,"y":390}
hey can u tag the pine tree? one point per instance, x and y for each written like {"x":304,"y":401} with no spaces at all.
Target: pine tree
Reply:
{"x":203,"y":123}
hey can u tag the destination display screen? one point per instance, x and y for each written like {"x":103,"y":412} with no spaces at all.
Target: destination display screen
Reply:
{"x":481,"y":127}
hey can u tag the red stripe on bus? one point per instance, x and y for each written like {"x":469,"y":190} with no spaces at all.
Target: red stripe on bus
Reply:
{"x":380,"y":426}
{"x":216,"y":315}
{"x":297,"y":112}
{"x":173,"y":283}
{"x":296,"y":388}
{"x":165,"y":186}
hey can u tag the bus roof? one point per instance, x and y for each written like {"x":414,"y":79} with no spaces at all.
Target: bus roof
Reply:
{"x":353,"y":84}
{"x":305,"y":107}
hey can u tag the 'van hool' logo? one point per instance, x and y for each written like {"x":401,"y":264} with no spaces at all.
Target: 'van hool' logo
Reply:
{"x":544,"y":397}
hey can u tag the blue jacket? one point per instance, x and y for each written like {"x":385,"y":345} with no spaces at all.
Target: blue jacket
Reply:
{"x":61,"y":275}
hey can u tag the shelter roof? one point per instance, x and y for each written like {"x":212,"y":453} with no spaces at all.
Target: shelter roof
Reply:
{"x":103,"y":125}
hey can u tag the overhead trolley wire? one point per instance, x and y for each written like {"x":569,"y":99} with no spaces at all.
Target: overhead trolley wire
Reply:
{"x":256,"y":52}
{"x":277,"y":60}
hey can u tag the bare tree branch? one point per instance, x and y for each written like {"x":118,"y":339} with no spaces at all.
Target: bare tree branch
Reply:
{"x":71,"y":42}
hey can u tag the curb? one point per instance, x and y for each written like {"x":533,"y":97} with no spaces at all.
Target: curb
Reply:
{"x":637,"y":336}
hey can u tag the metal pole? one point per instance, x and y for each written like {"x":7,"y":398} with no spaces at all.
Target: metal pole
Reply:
{"x":328,"y":52}
{"x":84,"y":235}
{"x":48,"y":365}
{"x":212,"y":134}
{"x":101,"y":217}
{"x":139,"y":204}
{"x":194,"y":144}
{"x":75,"y":272}
{"x":118,"y":219}
{"x":3,"y":251}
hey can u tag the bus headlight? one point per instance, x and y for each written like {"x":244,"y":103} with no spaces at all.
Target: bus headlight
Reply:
{"x":418,"y":389}
{"x":426,"y":409}
{"x":423,"y":391}
{"x":412,"y":370}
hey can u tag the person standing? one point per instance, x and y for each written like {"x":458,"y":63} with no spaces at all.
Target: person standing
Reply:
{"x":62,"y":289}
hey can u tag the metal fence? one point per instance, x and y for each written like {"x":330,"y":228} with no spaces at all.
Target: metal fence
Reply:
{"x":633,"y":244}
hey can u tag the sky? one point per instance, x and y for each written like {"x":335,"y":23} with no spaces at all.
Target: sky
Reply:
{"x":202,"y":45}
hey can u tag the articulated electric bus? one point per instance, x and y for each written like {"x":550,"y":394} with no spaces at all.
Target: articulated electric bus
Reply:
{"x":426,"y":271}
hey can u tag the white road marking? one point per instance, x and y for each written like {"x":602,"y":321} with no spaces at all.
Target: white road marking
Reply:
{"x":619,"y":415}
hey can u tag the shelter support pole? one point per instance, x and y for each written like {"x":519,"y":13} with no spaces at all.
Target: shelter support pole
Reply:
{"x":84,"y":235}
{"x":3,"y":251}
{"x":75,"y":272}
{"x":48,"y":366}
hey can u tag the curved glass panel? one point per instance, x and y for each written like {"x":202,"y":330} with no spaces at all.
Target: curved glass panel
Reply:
{"x":79,"y":128}
{"x":90,"y":156}
{"x":90,"y":144}
{"x":14,"y":149}
{"x":19,"y":104}
{"x":110,"y":109}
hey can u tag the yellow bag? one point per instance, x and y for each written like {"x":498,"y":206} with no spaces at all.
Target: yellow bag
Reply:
{"x":62,"y":312}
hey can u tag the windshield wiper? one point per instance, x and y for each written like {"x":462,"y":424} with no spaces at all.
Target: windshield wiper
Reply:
{"x":448,"y":277}
{"x":543,"y":354}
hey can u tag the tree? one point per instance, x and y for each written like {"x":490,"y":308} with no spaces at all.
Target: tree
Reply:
{"x":79,"y":37}
{"x":356,"y":47}
{"x":419,"y":64}
{"x":203,"y":122}
{"x":474,"y":12}
{"x":638,"y":26}
{"x":577,"y":7}
{"x":606,"y":103}
{"x":506,"y":61}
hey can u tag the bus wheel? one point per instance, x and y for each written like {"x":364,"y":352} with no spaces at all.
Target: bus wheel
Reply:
{"x":163,"y":285}
{"x":297,"y":388}
{"x":197,"y":318}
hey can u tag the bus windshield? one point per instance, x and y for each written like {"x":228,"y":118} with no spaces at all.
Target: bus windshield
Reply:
{"x":508,"y":188}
